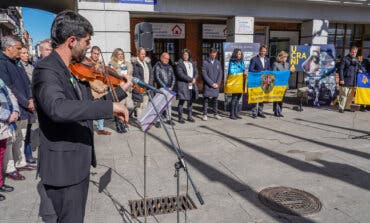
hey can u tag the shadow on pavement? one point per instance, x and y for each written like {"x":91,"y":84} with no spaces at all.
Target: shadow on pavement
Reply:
{"x":125,"y":214}
{"x":237,"y":186}
{"x":335,"y":126}
{"x":352,"y":175}
{"x":330,"y":146}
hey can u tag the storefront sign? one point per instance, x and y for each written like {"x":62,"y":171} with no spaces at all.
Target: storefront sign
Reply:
{"x":214,"y":31}
{"x":244,"y":25}
{"x":168,"y":30}
{"x":146,"y":2}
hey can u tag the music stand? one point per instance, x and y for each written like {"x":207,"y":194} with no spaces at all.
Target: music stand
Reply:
{"x":148,"y":118}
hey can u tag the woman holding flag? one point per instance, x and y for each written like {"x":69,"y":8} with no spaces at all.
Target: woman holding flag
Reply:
{"x":280,"y":64}
{"x":235,"y":81}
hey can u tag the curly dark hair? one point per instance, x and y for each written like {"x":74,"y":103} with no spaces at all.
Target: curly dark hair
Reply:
{"x":69,"y":23}
{"x":185,"y":51}
{"x":234,"y":56}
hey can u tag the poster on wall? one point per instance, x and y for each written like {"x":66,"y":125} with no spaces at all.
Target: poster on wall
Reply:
{"x":318,"y":63}
{"x":249,"y":50}
{"x":168,"y":30}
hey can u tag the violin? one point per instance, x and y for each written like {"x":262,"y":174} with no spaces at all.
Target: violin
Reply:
{"x":86,"y":71}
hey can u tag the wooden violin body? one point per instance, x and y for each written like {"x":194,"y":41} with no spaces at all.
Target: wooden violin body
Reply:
{"x":86,"y":71}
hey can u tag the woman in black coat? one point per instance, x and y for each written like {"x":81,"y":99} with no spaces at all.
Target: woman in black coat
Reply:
{"x":186,"y":75}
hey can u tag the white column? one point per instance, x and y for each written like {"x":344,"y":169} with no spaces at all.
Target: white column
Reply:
{"x":315,"y":32}
{"x":240,"y":29}
{"x":111,"y":28}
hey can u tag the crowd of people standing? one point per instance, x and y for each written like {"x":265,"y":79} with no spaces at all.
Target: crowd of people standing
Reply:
{"x":17,"y":111}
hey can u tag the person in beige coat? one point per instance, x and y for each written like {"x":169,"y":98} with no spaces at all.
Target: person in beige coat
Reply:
{"x":123,"y":68}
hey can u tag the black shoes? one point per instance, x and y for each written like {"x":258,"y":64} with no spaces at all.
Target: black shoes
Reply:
{"x":170,"y":122}
{"x":181,"y":121}
{"x":233,"y":117}
{"x":261,"y":115}
{"x":2,"y":197}
{"x":278,"y":114}
{"x":6,"y":188}
{"x":157,"y":124}
{"x":190,"y":119}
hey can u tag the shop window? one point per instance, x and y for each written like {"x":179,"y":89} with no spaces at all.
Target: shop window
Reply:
{"x":343,"y":36}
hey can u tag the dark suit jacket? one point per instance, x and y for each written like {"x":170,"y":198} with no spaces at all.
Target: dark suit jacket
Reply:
{"x":138,"y":72}
{"x":348,"y":71}
{"x":211,"y":73}
{"x":183,"y":80}
{"x":66,"y":130}
{"x":256,"y":64}
{"x":16,"y":79}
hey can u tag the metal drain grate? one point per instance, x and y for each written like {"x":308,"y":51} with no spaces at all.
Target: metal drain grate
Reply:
{"x":160,"y":205}
{"x":289,"y":201}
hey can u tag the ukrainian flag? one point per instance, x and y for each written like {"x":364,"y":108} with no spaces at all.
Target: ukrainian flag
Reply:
{"x":235,"y":81}
{"x":363,"y":89}
{"x":267,"y":86}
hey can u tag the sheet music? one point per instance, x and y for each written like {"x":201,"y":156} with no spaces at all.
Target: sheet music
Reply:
{"x":149,"y":116}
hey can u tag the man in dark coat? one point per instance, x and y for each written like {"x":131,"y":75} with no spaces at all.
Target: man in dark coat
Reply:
{"x":348,"y":71}
{"x":142,"y":69}
{"x":165,"y":78}
{"x":186,"y":76}
{"x":212,"y":77}
{"x":16,"y":79}
{"x":66,"y":111}
{"x":257,"y":64}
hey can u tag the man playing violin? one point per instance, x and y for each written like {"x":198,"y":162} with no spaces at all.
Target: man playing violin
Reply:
{"x":66,"y":111}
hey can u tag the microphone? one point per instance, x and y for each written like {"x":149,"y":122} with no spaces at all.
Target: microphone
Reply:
{"x":142,"y":84}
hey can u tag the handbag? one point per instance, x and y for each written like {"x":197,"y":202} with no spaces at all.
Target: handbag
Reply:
{"x":120,"y":126}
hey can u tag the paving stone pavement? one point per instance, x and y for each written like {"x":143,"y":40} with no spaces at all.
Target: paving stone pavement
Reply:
{"x":318,"y":150}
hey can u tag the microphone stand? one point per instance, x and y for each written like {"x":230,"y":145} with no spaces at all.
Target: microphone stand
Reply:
{"x":178,"y":165}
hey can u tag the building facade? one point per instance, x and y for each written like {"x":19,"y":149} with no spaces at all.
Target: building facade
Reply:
{"x":201,"y":24}
{"x":11,"y":21}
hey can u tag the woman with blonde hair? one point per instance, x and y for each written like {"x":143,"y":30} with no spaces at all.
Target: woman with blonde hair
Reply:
{"x":123,"y":68}
{"x":279,"y":65}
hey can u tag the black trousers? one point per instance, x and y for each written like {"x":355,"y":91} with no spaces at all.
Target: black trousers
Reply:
{"x":215,"y":105}
{"x":234,"y":107}
{"x":69,"y":202}
{"x":277,"y":107}
{"x":181,"y":108}
{"x":258,"y":111}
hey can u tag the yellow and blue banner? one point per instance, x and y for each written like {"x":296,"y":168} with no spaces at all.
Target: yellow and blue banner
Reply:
{"x":363,"y":89}
{"x":267,"y":86}
{"x":235,"y":81}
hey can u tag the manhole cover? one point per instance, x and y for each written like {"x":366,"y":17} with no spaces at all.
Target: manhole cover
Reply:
{"x":289,"y":201}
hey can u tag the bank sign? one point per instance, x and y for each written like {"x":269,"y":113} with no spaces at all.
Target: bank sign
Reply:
{"x":168,"y":30}
{"x":147,"y":2}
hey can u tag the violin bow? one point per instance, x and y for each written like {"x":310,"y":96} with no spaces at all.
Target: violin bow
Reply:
{"x":115,"y":97}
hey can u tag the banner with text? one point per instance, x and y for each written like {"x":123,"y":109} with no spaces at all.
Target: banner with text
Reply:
{"x":318,"y":63}
{"x":267,"y":86}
